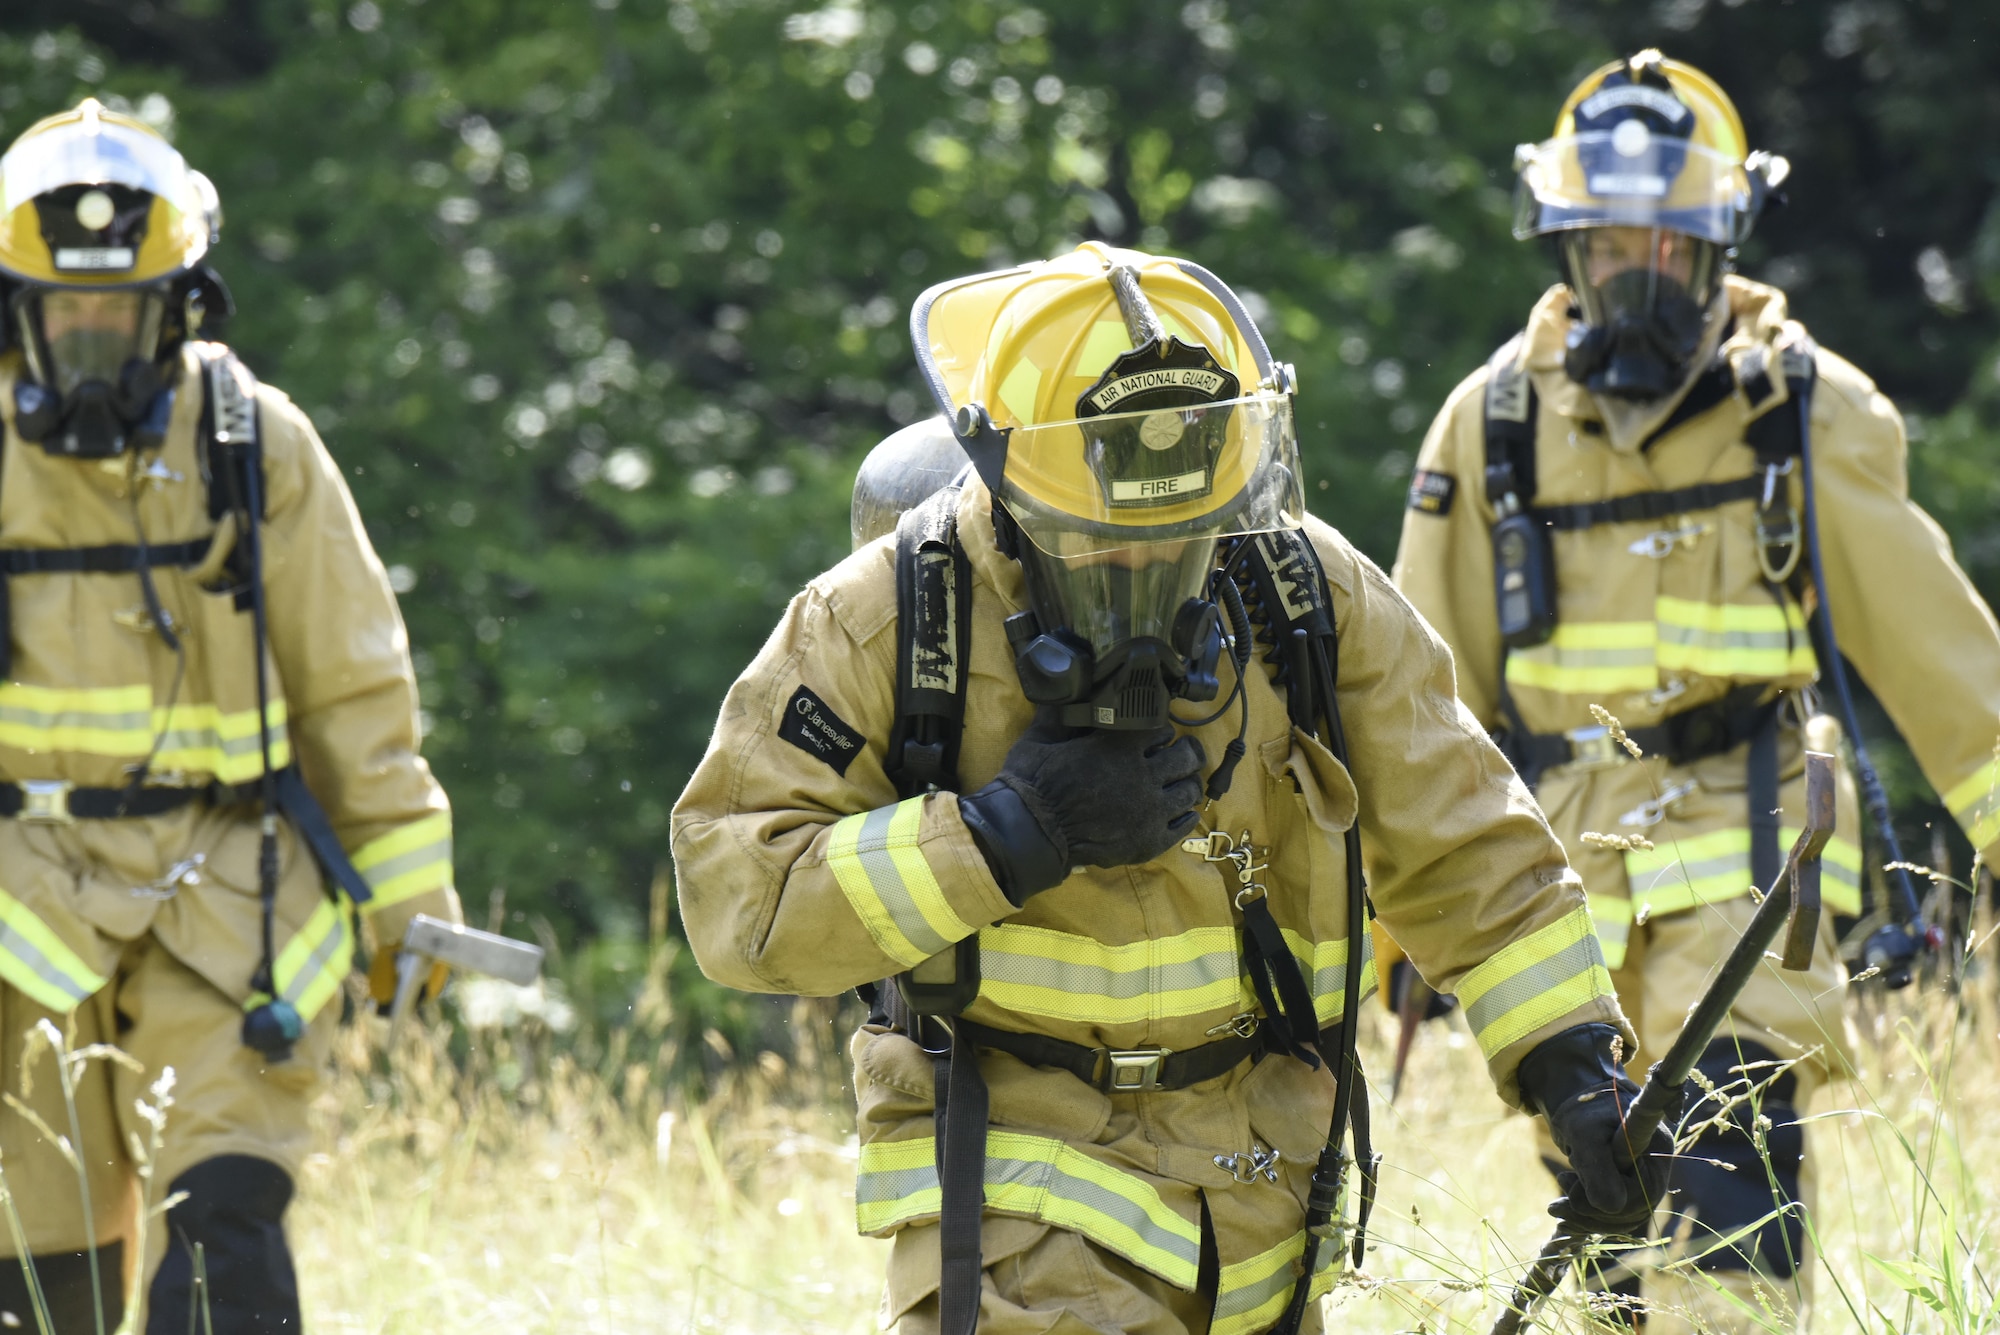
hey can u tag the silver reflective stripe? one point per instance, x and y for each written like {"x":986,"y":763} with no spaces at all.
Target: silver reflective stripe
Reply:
{"x":30,"y":955}
{"x":316,"y":963}
{"x":871,"y":849}
{"x":414,"y":860}
{"x":1544,"y":975}
{"x":1099,"y":981}
{"x":1703,"y":638}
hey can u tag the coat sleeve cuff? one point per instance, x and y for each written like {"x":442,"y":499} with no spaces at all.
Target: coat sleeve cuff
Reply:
{"x":914,"y":876}
{"x":1548,"y":981}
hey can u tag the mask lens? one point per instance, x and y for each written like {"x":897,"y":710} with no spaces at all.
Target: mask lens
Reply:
{"x":1111,"y":597}
{"x":1631,"y":272}
{"x":91,"y":335}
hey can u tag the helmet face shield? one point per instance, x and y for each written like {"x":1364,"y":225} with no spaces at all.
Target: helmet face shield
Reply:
{"x":1120,"y":480}
{"x":1631,"y":176}
{"x":92,"y":198}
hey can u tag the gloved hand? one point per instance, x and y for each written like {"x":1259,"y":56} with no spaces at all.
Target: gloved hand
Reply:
{"x":382,"y":980}
{"x":1092,"y":798}
{"x":1611,"y":1186}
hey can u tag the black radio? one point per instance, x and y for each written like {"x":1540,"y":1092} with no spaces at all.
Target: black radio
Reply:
{"x":1524,"y":568}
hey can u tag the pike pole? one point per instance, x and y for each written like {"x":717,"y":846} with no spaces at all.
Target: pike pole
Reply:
{"x":1793,"y":898}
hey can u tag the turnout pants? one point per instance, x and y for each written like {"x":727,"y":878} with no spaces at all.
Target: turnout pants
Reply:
{"x":237,"y":1129}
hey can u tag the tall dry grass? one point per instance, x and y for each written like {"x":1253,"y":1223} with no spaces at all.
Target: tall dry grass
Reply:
{"x":510,"y":1189}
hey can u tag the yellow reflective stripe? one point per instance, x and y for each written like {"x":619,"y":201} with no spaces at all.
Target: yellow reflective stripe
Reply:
{"x":1613,"y":916}
{"x":115,"y":720}
{"x":203,"y":739}
{"x":1252,"y":1294}
{"x":1754,"y":640}
{"x":1590,"y":656}
{"x":875,"y":858}
{"x":1043,"y":1179}
{"x":1733,"y":639}
{"x":34,"y":959}
{"x":1534,"y":981}
{"x":308,"y":970}
{"x":121,"y":722}
{"x":406,"y":862}
{"x":1974,"y":802}
{"x":1713,"y":867}
{"x":1325,"y":966}
{"x":1036,"y":971}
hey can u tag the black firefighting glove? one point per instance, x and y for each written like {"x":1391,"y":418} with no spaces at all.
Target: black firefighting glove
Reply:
{"x":1083,"y":798}
{"x":1611,"y":1186}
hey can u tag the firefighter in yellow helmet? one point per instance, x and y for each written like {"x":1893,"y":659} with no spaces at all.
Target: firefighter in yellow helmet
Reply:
{"x":1103,"y":867}
{"x":209,"y":779}
{"x":1662,"y":504}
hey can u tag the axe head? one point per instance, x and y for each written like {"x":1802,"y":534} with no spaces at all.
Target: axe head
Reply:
{"x":1802,"y":867}
{"x":473,"y":951}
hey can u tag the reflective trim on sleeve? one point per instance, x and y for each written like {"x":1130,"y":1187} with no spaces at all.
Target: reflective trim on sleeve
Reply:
{"x":1041,"y":1179}
{"x":1325,"y":966}
{"x":308,"y":970}
{"x":34,"y":959}
{"x":1710,"y":868}
{"x":1613,"y":916}
{"x":1584,"y":657}
{"x":1065,"y":976}
{"x":1974,"y":802}
{"x":881,"y":869}
{"x":120,"y":722}
{"x":1534,"y":981}
{"x":406,"y":862}
{"x":1750,"y":640}
{"x":1251,"y":1295}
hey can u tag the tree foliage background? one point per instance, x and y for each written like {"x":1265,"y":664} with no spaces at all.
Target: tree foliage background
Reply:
{"x":600,"y":301}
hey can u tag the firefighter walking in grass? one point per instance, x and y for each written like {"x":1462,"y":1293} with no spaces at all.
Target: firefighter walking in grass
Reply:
{"x":208,"y":748}
{"x":1662,"y":504}
{"x":1019,"y":764}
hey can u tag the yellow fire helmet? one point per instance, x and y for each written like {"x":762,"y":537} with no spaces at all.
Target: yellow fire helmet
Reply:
{"x":92,"y":198}
{"x":1111,"y":398}
{"x":1646,"y":142}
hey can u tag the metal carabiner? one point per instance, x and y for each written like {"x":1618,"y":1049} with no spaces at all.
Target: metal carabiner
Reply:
{"x":1660,"y":543}
{"x":1654,"y":809}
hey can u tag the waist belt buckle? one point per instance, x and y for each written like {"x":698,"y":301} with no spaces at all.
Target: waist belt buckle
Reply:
{"x":1594,"y":748}
{"x":46,"y":801}
{"x":1135,"y":1070}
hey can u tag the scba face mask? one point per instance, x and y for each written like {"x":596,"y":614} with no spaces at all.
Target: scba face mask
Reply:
{"x":1130,"y":631}
{"x":1645,"y":297}
{"x":94,"y":384}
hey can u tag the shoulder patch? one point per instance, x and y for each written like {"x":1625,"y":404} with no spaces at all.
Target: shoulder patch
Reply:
{"x":1431,"y":493}
{"x":815,"y":729}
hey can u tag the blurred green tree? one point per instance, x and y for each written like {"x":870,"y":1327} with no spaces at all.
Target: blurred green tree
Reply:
{"x":599,"y":304}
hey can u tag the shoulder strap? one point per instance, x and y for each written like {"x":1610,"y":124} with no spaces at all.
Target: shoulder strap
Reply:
{"x":228,"y":443}
{"x":933,"y":631}
{"x":229,"y":433}
{"x":1510,"y":405}
{"x":1774,"y":434}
